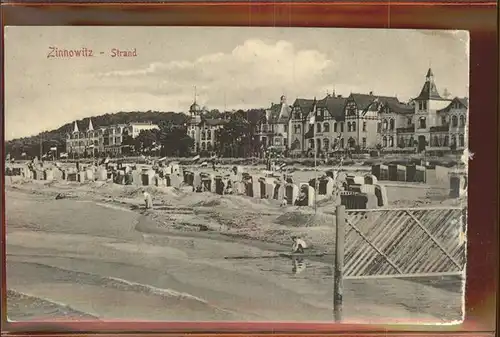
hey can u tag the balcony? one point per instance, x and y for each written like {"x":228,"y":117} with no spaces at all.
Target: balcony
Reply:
{"x":441,"y":128}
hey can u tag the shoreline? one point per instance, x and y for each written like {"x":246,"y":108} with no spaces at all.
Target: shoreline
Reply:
{"x":147,"y":230}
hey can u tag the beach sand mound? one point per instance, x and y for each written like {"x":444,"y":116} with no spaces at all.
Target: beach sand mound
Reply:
{"x":233,"y":202}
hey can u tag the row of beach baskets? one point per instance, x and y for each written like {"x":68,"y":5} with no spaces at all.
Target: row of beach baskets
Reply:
{"x":394,"y":172}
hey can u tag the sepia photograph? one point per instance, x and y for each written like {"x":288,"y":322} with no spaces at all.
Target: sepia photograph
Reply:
{"x":236,"y":174}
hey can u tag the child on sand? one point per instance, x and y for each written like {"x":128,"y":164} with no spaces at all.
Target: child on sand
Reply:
{"x":298,"y":245}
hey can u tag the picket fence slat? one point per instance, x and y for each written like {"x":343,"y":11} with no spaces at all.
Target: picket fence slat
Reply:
{"x":404,"y":241}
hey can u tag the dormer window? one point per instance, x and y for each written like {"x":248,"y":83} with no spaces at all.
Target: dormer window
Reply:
{"x":422,"y":105}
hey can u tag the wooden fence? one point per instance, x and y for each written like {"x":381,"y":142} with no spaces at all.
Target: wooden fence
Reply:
{"x":401,"y":242}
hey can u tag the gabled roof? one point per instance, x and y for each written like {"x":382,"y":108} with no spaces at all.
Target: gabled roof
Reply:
{"x":363,"y":101}
{"x":305,"y":105}
{"x":399,"y":108}
{"x":464,"y":102}
{"x":429,"y":90}
{"x":335,"y":106}
{"x":77,"y":126}
{"x":278,"y":113}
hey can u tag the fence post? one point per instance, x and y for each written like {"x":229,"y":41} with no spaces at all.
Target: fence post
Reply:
{"x":339,"y":263}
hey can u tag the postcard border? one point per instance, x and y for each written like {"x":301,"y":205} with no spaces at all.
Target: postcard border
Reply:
{"x":478,"y":18}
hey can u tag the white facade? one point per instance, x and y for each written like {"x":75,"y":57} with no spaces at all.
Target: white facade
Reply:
{"x":104,"y":139}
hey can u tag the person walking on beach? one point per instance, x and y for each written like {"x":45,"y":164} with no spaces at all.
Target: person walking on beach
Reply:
{"x":298,"y":245}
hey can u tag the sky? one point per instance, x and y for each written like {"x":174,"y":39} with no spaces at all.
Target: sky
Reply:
{"x":231,"y":67}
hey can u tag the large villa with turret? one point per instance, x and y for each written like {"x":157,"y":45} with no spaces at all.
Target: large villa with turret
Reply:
{"x":364,"y":121}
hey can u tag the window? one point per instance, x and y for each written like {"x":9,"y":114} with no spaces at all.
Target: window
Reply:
{"x":364,"y":141}
{"x":203,"y":135}
{"x":209,"y":134}
{"x":349,"y":127}
{"x":334,"y":127}
{"x":384,"y":141}
{"x":401,"y":142}
{"x":379,"y":127}
{"x":462,"y":121}
{"x":364,"y":126}
{"x":461,"y":140}
{"x":342,"y":128}
{"x":297,"y":128}
{"x":326,"y":144}
{"x":443,"y":120}
{"x":311,"y":143}
{"x":446,"y":141}
{"x":436,"y":141}
{"x":318,"y":127}
{"x":454,"y":121}
{"x":326,"y":127}
{"x":422,"y":123}
{"x":409,"y":121}
{"x":203,"y":146}
{"x":353,"y":126}
{"x":453,"y":140}
{"x":425,"y":105}
{"x":341,"y":142}
{"x":392,"y":124}
{"x":391,"y":141}
{"x":385,"y":124}
{"x":411,"y":142}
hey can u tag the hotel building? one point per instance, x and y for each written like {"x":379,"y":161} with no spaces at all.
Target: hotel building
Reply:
{"x":107,"y":140}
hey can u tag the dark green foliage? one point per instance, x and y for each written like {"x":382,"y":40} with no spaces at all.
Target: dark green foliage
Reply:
{"x":238,"y":137}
